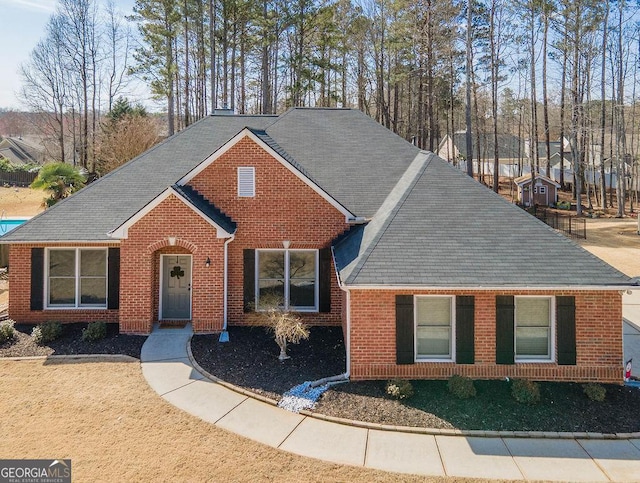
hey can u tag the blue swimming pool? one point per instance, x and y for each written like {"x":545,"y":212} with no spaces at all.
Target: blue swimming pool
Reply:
{"x":8,"y":224}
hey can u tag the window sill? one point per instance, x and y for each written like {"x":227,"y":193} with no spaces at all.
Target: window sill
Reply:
{"x":424,"y":359}
{"x":534,"y":361}
{"x":75,"y":308}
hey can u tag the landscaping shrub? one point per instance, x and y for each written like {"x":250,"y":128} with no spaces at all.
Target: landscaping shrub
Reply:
{"x":6,"y":331}
{"x":525,"y":391}
{"x":399,"y":389}
{"x":94,"y":331}
{"x":594,"y":391}
{"x":461,"y":387}
{"x":47,"y":332}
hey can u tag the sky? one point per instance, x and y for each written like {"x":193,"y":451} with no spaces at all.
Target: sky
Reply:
{"x":23,"y":24}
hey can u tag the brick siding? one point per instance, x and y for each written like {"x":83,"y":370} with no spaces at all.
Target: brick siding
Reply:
{"x":598,"y":339}
{"x":20,"y":292}
{"x":284,"y":208}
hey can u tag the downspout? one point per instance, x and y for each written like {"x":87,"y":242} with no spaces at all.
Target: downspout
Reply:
{"x":347,"y":338}
{"x":224,"y":335}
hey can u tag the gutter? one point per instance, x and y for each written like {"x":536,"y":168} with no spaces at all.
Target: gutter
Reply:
{"x":224,"y":335}
{"x":347,"y":339}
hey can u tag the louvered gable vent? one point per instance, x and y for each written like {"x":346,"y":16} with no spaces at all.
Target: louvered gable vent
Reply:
{"x":246,"y":181}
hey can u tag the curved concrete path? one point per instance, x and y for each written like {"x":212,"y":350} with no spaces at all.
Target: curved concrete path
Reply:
{"x":169,"y":371}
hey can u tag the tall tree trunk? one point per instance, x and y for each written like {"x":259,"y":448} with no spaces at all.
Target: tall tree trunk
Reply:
{"x":469,"y":139}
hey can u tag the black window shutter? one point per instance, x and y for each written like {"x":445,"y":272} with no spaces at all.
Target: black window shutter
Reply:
{"x":505,"y":311}
{"x":404,"y":329}
{"x":249,"y":289}
{"x":465,"y":305}
{"x":566,"y":330}
{"x":113,"y":295}
{"x":324,"y":273}
{"x":37,"y":278}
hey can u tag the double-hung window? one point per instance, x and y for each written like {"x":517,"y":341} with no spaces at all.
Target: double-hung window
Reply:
{"x":533,"y":328}
{"x":435,"y":328}
{"x":287,"y":279}
{"x":76,"y":277}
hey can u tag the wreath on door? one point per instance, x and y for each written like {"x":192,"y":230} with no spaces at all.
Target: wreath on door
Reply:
{"x":177,"y":272}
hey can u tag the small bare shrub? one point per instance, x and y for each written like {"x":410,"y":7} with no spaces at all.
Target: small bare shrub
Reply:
{"x":399,"y":389}
{"x":286,"y":327}
{"x":7,"y":332}
{"x":525,"y":391}
{"x":594,"y":391}
{"x":461,"y":387}
{"x":94,"y":331}
{"x":47,"y":332}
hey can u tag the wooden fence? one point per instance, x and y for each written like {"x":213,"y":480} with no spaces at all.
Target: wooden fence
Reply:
{"x":17,"y":178}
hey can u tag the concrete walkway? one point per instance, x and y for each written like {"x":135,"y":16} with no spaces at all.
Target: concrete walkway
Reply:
{"x":169,"y":371}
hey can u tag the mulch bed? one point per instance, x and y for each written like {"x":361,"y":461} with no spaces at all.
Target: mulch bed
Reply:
{"x":71,"y":343}
{"x":250,"y":360}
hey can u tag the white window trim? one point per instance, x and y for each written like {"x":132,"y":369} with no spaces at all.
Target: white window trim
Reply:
{"x":316,"y":307}
{"x":552,"y":332}
{"x":77,"y":305}
{"x":246,"y":170}
{"x":452,"y":342}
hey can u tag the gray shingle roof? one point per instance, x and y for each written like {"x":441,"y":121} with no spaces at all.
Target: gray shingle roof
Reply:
{"x":425,"y":236}
{"x":107,"y":203}
{"x":206,"y":207}
{"x":353,"y":158}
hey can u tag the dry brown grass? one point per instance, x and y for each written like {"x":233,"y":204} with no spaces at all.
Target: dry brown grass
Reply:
{"x":615,"y":241}
{"x":105,"y":418}
{"x":21,"y":201}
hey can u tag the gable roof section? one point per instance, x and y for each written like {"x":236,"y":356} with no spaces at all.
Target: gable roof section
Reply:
{"x":107,"y":203}
{"x":262,"y":139}
{"x":526,"y":179}
{"x":428,"y":238}
{"x":224,"y":226}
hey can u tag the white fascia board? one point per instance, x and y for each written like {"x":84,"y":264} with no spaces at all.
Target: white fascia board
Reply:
{"x":122,"y":232}
{"x":247,"y":133}
{"x":495,"y":289}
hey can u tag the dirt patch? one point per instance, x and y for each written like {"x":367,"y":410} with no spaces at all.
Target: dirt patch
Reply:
{"x":616,"y":241}
{"x":21,"y":201}
{"x":114,"y":427}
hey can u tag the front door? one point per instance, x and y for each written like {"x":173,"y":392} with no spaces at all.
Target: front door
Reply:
{"x":175,"y":287}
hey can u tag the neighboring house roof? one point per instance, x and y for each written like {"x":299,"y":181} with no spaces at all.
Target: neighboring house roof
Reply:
{"x":509,"y":146}
{"x":554,"y":147}
{"x":424,"y":236}
{"x":526,"y":179}
{"x":19,"y":152}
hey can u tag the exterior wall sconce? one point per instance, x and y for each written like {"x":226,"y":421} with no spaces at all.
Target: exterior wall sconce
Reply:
{"x":207,"y":263}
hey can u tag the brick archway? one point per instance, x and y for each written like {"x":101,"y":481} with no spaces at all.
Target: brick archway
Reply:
{"x":178,"y":242}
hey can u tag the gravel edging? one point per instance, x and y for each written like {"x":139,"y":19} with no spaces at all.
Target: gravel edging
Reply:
{"x":409,"y":429}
